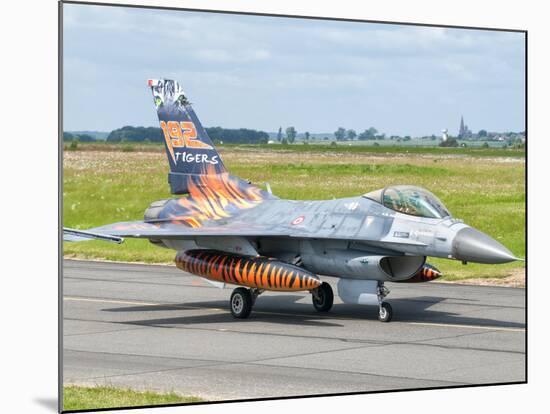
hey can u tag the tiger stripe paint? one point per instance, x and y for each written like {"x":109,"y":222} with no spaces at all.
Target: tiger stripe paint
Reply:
{"x":256,"y":272}
{"x":213,"y":196}
{"x":427,"y":273}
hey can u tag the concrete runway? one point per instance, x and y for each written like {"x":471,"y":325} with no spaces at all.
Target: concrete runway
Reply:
{"x":155,"y":327}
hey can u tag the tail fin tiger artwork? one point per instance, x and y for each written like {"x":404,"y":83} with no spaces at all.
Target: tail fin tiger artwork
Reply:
{"x":231,"y":231}
{"x":189,"y":148}
{"x":196,"y":167}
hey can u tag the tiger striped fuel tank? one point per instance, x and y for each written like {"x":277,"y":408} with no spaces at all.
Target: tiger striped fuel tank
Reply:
{"x":426,"y":274}
{"x":255,"y":272}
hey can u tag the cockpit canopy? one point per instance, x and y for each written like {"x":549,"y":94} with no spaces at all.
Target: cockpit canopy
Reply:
{"x":408,"y":199}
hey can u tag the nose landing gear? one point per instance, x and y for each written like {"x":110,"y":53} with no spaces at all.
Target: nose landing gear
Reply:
{"x":385,"y":311}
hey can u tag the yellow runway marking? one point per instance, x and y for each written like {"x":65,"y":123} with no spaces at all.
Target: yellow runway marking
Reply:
{"x":444,"y":325}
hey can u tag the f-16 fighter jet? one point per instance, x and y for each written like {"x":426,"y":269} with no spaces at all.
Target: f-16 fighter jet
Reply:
{"x":230,"y":231}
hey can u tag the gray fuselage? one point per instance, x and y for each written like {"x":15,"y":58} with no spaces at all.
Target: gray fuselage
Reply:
{"x":349,"y":238}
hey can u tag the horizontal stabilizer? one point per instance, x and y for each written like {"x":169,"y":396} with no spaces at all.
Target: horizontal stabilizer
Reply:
{"x":73,"y":235}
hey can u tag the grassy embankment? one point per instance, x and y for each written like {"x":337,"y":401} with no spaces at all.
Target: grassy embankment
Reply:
{"x":86,"y":398}
{"x":485,"y":187}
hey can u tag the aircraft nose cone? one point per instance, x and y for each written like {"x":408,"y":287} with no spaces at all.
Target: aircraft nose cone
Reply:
{"x":471,"y":245}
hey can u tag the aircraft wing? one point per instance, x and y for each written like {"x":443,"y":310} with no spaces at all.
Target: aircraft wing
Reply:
{"x":166,"y":229}
{"x":161,"y":230}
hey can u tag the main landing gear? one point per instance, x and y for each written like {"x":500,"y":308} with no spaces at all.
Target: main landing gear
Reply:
{"x":242,"y":300}
{"x":322,"y":297}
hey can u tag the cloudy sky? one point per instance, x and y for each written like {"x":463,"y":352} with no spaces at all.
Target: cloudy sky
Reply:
{"x":266,"y":72}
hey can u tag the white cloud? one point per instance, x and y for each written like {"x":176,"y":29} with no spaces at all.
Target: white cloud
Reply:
{"x":266,"y":59}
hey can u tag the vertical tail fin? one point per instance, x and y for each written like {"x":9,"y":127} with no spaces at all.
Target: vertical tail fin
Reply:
{"x":189,"y":148}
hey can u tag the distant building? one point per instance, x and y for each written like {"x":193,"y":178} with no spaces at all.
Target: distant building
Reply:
{"x":444,"y":136}
{"x":463,"y":131}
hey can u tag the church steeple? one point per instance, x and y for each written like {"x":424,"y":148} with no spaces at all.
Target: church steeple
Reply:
{"x":462,"y":130}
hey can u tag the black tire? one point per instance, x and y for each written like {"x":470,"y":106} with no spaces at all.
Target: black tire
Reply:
{"x":240,"y":303}
{"x":323,"y":298}
{"x":385,"y":313}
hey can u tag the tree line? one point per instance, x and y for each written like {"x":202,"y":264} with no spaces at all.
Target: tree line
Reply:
{"x":289,"y":137}
{"x":67,"y":136}
{"x":371,"y":133}
{"x":341,"y":134}
{"x":223,"y":135}
{"x":152,"y":134}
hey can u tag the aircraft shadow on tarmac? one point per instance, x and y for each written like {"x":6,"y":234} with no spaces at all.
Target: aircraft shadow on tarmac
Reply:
{"x":285,"y":309}
{"x":418,"y":310}
{"x":268,"y":314}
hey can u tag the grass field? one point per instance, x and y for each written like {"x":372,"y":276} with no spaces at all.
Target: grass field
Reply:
{"x":485,"y":187}
{"x":363,"y":147}
{"x":86,"y":398}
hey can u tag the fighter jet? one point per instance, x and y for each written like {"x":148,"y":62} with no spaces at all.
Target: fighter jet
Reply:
{"x":230,"y":231}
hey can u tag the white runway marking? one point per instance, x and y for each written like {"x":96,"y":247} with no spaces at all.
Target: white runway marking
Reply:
{"x":490,"y":328}
{"x":127,"y":302}
{"x":443,"y":325}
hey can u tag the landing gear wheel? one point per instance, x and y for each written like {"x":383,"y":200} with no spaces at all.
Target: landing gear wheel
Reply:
{"x":385,"y":312}
{"x":322,"y":297}
{"x":240,"y":303}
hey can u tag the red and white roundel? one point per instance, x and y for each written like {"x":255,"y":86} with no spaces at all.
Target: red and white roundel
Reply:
{"x":297,"y":220}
